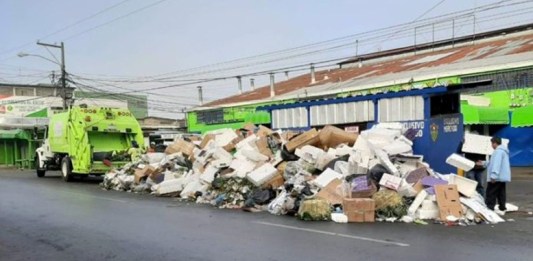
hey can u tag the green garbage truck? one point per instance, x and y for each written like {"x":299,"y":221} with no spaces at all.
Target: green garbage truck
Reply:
{"x":85,"y":141}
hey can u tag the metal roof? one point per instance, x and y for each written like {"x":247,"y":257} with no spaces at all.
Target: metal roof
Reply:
{"x":504,"y":51}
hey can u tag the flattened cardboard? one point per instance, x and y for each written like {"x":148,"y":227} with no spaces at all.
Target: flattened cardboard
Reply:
{"x":331,"y":137}
{"x":448,"y":201}
{"x":141,"y":174}
{"x":262,"y":145}
{"x":330,"y":194}
{"x":307,"y":138}
{"x":206,"y":140}
{"x":276,"y":182}
{"x":182,"y":146}
{"x":264,"y":131}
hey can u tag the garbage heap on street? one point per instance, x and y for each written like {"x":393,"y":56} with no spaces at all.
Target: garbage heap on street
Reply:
{"x":329,"y":174}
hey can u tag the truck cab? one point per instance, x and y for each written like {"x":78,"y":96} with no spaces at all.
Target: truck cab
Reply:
{"x":88,"y":141}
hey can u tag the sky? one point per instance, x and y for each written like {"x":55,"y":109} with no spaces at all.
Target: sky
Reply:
{"x":137,"y":45}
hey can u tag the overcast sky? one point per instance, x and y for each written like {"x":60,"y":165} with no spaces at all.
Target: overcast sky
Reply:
{"x":139,"y":38}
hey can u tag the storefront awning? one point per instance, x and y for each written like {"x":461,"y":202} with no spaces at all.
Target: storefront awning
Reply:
{"x":484,"y":115}
{"x":14,"y":134}
{"x":522,"y":117}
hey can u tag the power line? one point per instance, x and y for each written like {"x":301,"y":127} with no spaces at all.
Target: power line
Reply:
{"x":114,"y":20}
{"x":66,"y":27}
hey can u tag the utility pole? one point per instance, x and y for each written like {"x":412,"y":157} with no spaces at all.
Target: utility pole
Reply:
{"x":63,"y":71}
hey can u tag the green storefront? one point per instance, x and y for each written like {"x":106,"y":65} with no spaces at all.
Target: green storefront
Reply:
{"x":17,"y":148}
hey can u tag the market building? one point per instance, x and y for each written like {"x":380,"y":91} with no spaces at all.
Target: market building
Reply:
{"x":498,"y":63}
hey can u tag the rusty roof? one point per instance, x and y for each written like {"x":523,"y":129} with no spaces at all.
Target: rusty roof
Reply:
{"x":386,"y":67}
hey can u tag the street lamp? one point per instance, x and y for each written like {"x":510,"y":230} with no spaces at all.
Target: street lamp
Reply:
{"x":62,"y":64}
{"x":21,"y":54}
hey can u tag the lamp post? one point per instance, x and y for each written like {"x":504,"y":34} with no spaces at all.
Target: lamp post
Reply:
{"x":62,"y":65}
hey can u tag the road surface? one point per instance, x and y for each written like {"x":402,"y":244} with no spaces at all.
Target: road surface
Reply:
{"x":48,"y":219}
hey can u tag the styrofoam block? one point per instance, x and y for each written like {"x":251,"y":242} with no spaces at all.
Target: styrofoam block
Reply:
{"x":427,"y":214}
{"x":225,"y":137}
{"x":480,"y":208}
{"x":343,"y":168}
{"x":342,"y":150}
{"x":460,"y":162}
{"x":209,"y":174}
{"x":191,"y":188}
{"x":262,"y":174}
{"x":248,"y":141}
{"x":465,"y":186}
{"x":323,"y":160}
{"x":390,"y":181}
{"x":397,"y":147}
{"x":308,"y":153}
{"x":326,"y":177}
{"x":428,"y":204}
{"x":479,"y":144}
{"x":169,"y":186}
{"x":253,"y":154}
{"x":390,"y":125}
{"x":406,"y":190}
{"x":242,"y":167}
{"x":385,"y":161}
{"x":417,"y":202}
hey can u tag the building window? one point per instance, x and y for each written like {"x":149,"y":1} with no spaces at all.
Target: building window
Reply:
{"x":210,"y":117}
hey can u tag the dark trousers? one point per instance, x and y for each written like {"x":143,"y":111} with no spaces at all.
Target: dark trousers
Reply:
{"x":496,"y":191}
{"x":477,"y":175}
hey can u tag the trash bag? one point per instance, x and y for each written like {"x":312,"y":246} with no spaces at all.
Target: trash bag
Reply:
{"x":260,"y":197}
{"x":291,"y":169}
{"x":376,"y":173}
{"x":286,"y":155}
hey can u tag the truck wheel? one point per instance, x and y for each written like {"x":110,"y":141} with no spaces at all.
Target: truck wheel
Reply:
{"x":40,"y":171}
{"x":66,"y":169}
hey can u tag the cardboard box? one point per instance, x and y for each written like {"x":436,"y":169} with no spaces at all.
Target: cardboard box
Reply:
{"x":330,"y":194}
{"x":276,"y":182}
{"x":448,"y":201}
{"x":390,"y":181}
{"x":307,"y":138}
{"x":361,"y":216}
{"x":206,"y":140}
{"x":287,"y":135}
{"x":182,"y":146}
{"x":229,"y":147}
{"x":264,"y":131}
{"x":249,"y":126}
{"x":141,"y":174}
{"x":418,"y":186}
{"x":331,"y":137}
{"x":359,"y":209}
{"x":353,"y":204}
{"x":262,"y":145}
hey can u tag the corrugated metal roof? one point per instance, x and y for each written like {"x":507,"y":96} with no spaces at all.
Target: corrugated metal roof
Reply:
{"x":506,"y":50}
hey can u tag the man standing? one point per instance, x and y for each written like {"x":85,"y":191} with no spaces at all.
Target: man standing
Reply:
{"x":498,"y":174}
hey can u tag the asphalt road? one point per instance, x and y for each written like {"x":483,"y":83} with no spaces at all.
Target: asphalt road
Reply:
{"x":47,"y":219}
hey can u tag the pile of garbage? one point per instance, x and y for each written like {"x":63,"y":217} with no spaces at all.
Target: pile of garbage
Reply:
{"x":329,"y":174}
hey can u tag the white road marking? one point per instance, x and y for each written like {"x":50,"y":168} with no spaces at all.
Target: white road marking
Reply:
{"x":334,"y":234}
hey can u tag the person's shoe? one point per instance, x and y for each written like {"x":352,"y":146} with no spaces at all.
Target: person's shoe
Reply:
{"x":500,"y":212}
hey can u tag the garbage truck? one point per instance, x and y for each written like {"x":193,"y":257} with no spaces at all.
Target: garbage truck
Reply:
{"x":87,"y":141}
